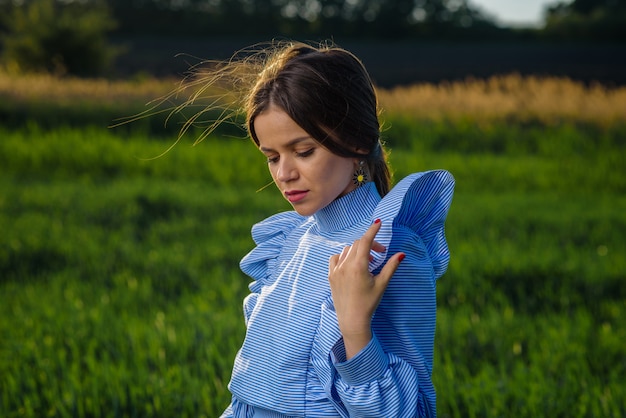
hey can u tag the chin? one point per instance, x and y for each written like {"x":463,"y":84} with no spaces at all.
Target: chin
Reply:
{"x":304,"y":212}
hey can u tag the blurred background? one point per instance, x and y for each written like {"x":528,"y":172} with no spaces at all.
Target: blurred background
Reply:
{"x":401,"y":41}
{"x":120,"y":287}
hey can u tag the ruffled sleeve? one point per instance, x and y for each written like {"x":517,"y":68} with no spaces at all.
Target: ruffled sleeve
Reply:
{"x":391,"y":376}
{"x":269,"y":236}
{"x":420,"y":203}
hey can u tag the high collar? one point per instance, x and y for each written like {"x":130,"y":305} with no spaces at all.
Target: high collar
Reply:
{"x":348,"y":210}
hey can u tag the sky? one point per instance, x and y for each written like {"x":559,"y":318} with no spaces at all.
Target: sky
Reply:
{"x":515,"y":12}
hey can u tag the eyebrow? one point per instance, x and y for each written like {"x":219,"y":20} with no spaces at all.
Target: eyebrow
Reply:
{"x":288,"y":144}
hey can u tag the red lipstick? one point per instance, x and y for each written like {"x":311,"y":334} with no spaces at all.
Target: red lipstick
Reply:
{"x":294,"y":196}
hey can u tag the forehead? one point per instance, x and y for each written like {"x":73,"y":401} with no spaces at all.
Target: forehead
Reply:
{"x":275,"y":128}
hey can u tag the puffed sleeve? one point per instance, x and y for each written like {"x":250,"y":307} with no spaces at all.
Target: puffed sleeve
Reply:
{"x":391,"y":376}
{"x":269,"y":236}
{"x":419,"y":203}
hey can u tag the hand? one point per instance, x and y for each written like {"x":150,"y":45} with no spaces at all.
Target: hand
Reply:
{"x":357,"y":292}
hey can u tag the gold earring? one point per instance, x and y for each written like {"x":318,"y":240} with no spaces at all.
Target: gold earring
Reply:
{"x":360,"y":176}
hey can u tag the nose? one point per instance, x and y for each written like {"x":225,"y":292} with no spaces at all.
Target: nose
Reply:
{"x":286,"y":170}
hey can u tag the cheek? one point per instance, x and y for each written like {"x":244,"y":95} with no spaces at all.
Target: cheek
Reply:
{"x":273,"y":171}
{"x":337,"y":172}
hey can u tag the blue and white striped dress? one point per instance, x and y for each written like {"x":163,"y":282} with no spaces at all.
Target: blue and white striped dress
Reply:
{"x":292,"y":362}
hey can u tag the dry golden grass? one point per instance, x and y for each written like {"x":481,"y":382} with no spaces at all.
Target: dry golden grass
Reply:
{"x":67,"y":91}
{"x":510,"y":98}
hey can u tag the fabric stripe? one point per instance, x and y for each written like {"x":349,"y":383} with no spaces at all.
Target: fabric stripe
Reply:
{"x":292,"y":362}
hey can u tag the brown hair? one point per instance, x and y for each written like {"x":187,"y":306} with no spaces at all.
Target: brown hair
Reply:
{"x":328,"y":93}
{"x":326,"y":90}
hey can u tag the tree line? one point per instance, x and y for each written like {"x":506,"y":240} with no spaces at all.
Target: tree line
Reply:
{"x":71,"y":35}
{"x":591,"y":19}
{"x":358,"y":18}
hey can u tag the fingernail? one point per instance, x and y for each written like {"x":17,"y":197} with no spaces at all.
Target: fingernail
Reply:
{"x":401,"y":257}
{"x":377,"y":221}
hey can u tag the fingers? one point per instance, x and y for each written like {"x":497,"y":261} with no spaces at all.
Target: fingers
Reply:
{"x":337,"y":259}
{"x":379,"y":248}
{"x":332,"y":262}
{"x":367,"y":243}
{"x":360,"y":247}
{"x":370,"y":234}
{"x":388,"y":270}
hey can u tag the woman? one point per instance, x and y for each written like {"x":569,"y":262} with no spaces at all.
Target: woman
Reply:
{"x":338,"y":324}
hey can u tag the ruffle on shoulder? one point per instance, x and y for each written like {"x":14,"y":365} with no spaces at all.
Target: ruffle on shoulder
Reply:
{"x":419,"y":202}
{"x":269,"y":236}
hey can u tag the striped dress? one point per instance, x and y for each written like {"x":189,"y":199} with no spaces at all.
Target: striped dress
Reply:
{"x":292,"y":362}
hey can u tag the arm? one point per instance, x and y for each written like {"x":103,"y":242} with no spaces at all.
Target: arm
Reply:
{"x":391,"y":375}
{"x":380,"y":381}
{"x":376,"y":383}
{"x":357,"y":292}
{"x":384,"y":374}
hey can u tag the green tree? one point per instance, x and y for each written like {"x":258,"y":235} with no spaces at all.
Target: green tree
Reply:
{"x":60,"y":38}
{"x":603,"y":20}
{"x":301,"y":18}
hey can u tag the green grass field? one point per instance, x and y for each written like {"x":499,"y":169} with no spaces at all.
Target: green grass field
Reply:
{"x":120,"y":293}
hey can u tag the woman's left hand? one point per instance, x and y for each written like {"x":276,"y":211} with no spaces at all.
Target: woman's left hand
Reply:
{"x":357,"y":292}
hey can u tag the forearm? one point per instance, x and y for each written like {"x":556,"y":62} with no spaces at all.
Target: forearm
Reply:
{"x":375,"y":383}
{"x":355,"y":342}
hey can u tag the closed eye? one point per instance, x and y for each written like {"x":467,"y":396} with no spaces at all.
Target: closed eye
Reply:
{"x":273,"y":159}
{"x":306,"y":153}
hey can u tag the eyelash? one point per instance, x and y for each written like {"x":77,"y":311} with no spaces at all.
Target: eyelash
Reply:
{"x":304,"y":154}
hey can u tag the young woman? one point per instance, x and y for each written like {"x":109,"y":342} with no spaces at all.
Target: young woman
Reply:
{"x":341,"y":312}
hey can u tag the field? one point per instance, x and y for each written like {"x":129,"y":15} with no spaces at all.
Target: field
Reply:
{"x":120,"y":293}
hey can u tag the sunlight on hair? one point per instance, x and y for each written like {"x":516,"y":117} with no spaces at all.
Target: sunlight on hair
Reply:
{"x":214,"y":92}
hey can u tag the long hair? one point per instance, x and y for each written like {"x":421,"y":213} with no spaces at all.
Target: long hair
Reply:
{"x":328,"y":93}
{"x":326,"y":90}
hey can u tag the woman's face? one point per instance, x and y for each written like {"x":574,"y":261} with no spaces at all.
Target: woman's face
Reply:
{"x":308,"y":175}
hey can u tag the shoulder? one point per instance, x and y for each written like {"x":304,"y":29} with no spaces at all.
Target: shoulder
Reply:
{"x":280,"y":224}
{"x":269,"y":236}
{"x":423,"y":198}
{"x":417,"y":206}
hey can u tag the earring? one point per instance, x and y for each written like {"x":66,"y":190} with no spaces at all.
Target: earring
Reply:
{"x":360,"y":176}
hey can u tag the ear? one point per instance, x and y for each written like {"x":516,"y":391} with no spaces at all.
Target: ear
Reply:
{"x":359,"y":163}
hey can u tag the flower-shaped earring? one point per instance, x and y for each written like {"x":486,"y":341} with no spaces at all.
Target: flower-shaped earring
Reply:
{"x":360,"y":176}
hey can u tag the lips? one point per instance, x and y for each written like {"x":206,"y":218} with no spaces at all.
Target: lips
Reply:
{"x":294,"y":196}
